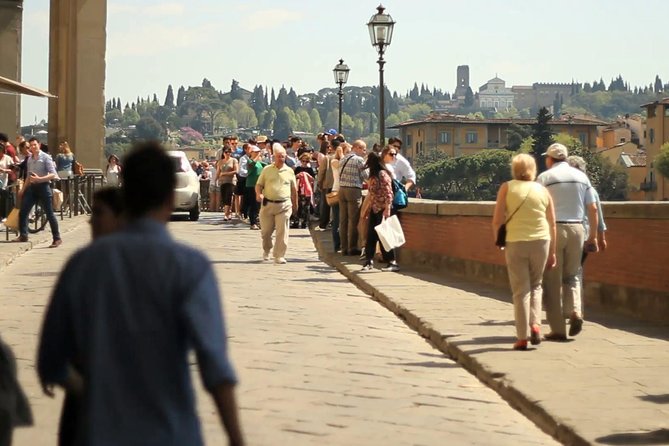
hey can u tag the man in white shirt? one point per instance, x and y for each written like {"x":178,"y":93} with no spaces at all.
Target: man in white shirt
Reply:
{"x":401,"y":168}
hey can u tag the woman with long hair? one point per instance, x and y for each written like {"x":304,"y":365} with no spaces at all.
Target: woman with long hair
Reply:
{"x":526,"y":208}
{"x":380,"y":192}
{"x":113,"y":171}
{"x":64,"y":160}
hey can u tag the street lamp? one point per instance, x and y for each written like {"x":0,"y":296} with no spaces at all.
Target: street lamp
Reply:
{"x":381,"y":33}
{"x":341,"y":76}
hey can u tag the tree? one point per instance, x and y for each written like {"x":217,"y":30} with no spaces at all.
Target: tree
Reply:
{"x":148,"y":128}
{"x":316,"y":123}
{"x":658,"y":84}
{"x":282,"y":127}
{"x":662,"y":160}
{"x":206,"y":83}
{"x":113,"y":117}
{"x":469,"y":97}
{"x":130,"y":117}
{"x":169,"y":97}
{"x":516,"y":134}
{"x":181,"y":94}
{"x":542,"y":136}
{"x":235,"y":91}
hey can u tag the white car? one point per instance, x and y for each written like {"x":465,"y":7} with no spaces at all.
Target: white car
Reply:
{"x":187,"y":190}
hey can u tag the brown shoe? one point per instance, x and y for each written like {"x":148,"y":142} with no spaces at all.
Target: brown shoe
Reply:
{"x":56,"y":243}
{"x":21,"y":239}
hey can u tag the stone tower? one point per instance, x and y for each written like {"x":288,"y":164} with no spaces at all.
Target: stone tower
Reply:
{"x":11,"y":17}
{"x":463,"y":81}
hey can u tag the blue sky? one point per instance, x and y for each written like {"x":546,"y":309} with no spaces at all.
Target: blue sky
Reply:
{"x":152,"y":43}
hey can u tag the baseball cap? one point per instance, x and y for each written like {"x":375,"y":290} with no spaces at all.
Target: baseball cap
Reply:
{"x":331,"y":132}
{"x":255,"y":149}
{"x":557,"y":151}
{"x":261,"y":139}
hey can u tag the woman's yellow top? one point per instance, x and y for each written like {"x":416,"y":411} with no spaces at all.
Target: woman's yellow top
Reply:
{"x":530,"y":221}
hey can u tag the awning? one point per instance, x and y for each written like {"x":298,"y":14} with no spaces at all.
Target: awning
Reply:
{"x":17,"y":87}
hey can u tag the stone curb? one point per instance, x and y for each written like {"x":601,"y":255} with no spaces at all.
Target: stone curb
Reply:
{"x":520,"y":401}
{"x":10,"y":251}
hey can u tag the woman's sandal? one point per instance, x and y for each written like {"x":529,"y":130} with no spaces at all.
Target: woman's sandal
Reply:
{"x":520,"y":344}
{"x":535,"y":335}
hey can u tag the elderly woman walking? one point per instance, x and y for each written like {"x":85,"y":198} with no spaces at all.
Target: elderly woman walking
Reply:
{"x":526,"y":208}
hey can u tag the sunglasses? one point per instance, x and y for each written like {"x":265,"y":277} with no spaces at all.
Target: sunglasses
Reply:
{"x":392,"y":153}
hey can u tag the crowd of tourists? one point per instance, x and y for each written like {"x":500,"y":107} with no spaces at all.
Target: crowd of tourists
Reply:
{"x":274,"y":186}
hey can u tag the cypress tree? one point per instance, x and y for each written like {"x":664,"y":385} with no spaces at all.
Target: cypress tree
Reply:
{"x":542,"y":136}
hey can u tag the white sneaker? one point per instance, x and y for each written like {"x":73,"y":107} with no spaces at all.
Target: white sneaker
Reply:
{"x":265,"y":256}
{"x":280,"y":260}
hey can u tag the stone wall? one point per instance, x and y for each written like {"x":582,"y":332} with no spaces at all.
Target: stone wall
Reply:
{"x":631,"y":277}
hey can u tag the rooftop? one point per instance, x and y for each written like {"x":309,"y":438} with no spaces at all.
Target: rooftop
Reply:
{"x":664,"y":101}
{"x":448,"y":118}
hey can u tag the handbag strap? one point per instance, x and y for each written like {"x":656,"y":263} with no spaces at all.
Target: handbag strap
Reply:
{"x":519,"y":206}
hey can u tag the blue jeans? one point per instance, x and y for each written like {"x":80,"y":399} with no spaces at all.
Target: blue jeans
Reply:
{"x":38,"y":192}
{"x":336,"y":240}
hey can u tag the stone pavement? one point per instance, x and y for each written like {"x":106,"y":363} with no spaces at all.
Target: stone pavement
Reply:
{"x":609,"y":385}
{"x":319,"y":362}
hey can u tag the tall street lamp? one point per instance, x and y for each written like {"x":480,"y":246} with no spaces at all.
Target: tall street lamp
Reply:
{"x":381,"y":32}
{"x":341,"y":76}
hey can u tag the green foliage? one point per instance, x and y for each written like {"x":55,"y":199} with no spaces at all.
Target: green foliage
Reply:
{"x":282,"y":128}
{"x":113,"y":117}
{"x":468,"y":178}
{"x":148,"y":128}
{"x":516,"y":134}
{"x":542,"y":137}
{"x":608,"y":104}
{"x":429,"y":156}
{"x":169,"y":97}
{"x":527,"y":145}
{"x":662,"y":160}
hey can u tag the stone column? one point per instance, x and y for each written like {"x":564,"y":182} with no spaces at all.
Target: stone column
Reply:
{"x":11,"y":16}
{"x":77,"y":76}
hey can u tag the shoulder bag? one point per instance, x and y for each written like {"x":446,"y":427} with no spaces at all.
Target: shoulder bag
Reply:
{"x":332,"y":198}
{"x":501,"y":232}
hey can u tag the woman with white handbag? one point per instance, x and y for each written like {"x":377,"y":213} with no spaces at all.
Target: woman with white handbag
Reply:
{"x":380,"y":191}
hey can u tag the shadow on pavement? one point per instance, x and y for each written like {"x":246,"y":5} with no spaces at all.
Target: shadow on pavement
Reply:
{"x":659,"y":399}
{"x":429,"y":364}
{"x":660,"y":436}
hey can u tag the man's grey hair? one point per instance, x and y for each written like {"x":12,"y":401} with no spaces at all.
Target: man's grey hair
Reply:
{"x":278,"y":148}
{"x":577,"y":162}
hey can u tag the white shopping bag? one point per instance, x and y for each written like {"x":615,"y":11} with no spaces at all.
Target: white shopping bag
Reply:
{"x":390,"y":233}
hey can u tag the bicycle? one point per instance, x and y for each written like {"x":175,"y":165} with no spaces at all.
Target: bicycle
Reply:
{"x":37,"y":219}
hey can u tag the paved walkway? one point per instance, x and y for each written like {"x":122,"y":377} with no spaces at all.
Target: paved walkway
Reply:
{"x":610,"y":385}
{"x":321,"y":363}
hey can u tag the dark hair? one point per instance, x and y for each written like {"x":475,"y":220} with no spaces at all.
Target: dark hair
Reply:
{"x":295,"y":139}
{"x":393,"y":140}
{"x":386,"y":150}
{"x":33,"y":139}
{"x":112,"y":197}
{"x":335,"y":143}
{"x":339,"y":138}
{"x":148,"y":178}
{"x":374,"y":164}
{"x":4,"y":137}
{"x":324,"y":146}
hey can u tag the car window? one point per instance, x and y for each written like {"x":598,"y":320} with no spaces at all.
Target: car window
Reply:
{"x":180,"y":164}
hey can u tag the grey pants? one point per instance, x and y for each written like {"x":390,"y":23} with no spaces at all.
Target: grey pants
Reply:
{"x":562,"y":285}
{"x":525,"y":263}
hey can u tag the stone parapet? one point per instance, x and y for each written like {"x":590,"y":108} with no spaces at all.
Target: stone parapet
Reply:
{"x":629,"y":278}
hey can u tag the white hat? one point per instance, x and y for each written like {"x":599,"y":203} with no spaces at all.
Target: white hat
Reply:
{"x":557,"y":151}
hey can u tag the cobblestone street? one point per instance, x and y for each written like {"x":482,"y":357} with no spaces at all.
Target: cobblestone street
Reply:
{"x":319,"y":362}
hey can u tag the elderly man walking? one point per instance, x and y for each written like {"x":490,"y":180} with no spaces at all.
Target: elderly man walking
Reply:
{"x":575,"y":200}
{"x":276,"y":190}
{"x":352,"y":174}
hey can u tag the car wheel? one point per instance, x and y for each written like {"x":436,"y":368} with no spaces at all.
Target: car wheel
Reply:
{"x":194,"y":214}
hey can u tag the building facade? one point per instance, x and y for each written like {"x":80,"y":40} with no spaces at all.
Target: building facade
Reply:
{"x":542,"y":94}
{"x":456,"y":135}
{"x":493,"y":95}
{"x":657,"y":134}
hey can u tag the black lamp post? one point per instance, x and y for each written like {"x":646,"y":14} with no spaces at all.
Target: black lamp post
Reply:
{"x":341,"y":76}
{"x":381,"y":32}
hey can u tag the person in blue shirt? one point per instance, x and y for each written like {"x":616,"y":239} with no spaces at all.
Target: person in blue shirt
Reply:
{"x":41,"y":170}
{"x":124,"y":314}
